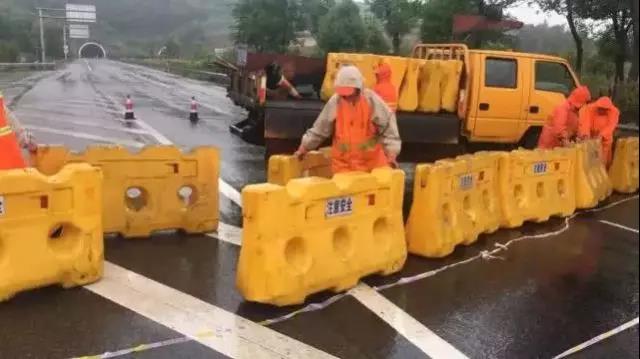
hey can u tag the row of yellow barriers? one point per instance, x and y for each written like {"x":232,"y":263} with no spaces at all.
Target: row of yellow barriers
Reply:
{"x":304,"y":234}
{"x":53,"y":216}
{"x":423,"y":85}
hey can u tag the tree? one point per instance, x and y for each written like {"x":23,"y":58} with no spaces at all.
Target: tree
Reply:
{"x":266,"y":25}
{"x":633,"y":73}
{"x":376,"y":41}
{"x":397,"y":16}
{"x":313,"y":11}
{"x":342,"y":29}
{"x":568,"y":9}
{"x":172,"y":49}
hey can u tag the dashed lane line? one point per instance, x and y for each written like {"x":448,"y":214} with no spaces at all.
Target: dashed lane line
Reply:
{"x":599,"y":338}
{"x":216,"y":328}
{"x":403,"y":323}
{"x":618,"y":225}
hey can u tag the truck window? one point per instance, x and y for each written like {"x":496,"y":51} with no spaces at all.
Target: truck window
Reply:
{"x":553,"y":77}
{"x":501,"y":73}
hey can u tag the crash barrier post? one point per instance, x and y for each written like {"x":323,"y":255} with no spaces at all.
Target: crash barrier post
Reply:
{"x":536,"y":185}
{"x":50,"y":228}
{"x":624,"y":169}
{"x":451,"y":73}
{"x":317,"y":234}
{"x":408,"y":100}
{"x":592,"y":181}
{"x":454,"y":201}
{"x":283,"y":168}
{"x":430,"y":86}
{"x":155,"y":189}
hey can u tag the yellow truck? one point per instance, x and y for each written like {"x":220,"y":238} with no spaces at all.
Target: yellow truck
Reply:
{"x":502,"y":97}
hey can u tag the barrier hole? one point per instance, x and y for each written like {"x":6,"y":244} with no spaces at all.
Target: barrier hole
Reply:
{"x":481,"y":176}
{"x":487,"y":201}
{"x":136,"y":198}
{"x":44,"y":202}
{"x":296,"y":255}
{"x":466,"y":203}
{"x":64,"y":238}
{"x":342,"y":243}
{"x":446,"y":213}
{"x":540,"y":189}
{"x":176,"y":168}
{"x":562,"y":189}
{"x":382,"y":233}
{"x":372,"y":199}
{"x":187,"y":195}
{"x":557,"y":166}
{"x":518,"y":194}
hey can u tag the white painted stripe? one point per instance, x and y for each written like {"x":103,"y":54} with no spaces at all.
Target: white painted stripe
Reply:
{"x":599,"y":338}
{"x":613,"y":224}
{"x":230,"y":192}
{"x":95,"y":125}
{"x":228,"y":233}
{"x":205,"y":323}
{"x":86,"y":136}
{"x":419,"y":335}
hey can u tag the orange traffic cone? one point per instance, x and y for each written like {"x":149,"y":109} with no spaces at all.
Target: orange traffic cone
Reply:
{"x":10,"y":153}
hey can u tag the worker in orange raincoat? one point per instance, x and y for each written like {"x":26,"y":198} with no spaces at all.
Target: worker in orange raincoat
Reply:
{"x":385,"y":88}
{"x":562,"y":125}
{"x":599,"y":120}
{"x":364,"y":129}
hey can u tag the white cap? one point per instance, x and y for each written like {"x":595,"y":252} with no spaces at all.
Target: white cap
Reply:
{"x":348,"y":78}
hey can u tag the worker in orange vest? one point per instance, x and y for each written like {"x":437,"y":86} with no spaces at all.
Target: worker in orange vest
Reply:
{"x":10,"y":153}
{"x":385,"y":88}
{"x":599,"y":120}
{"x":562,"y":125}
{"x":364,"y":130}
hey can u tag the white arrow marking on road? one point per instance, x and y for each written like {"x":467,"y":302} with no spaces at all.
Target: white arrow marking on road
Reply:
{"x":205,"y":323}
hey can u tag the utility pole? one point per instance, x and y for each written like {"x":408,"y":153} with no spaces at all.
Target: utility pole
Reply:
{"x":42,"y":50}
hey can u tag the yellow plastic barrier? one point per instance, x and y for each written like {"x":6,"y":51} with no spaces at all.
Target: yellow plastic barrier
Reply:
{"x":452,"y":70}
{"x":364,"y":62}
{"x":535,"y":185}
{"x":283,"y":168}
{"x":158,"y":188}
{"x":454,"y":201}
{"x":50,"y":229}
{"x":408,"y":100}
{"x":317,"y":234}
{"x":429,"y":88}
{"x":592,"y":182}
{"x":624,"y":168}
{"x":398,"y":69}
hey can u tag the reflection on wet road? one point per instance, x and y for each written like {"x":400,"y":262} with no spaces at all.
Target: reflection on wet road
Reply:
{"x":536,"y":291}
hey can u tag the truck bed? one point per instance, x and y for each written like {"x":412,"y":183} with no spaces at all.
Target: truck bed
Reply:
{"x":285,"y":122}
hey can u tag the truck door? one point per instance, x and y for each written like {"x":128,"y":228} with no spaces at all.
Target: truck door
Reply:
{"x":551,"y":83}
{"x":499,"y":99}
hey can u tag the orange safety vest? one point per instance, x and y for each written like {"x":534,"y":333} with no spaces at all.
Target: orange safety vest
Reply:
{"x":593,"y":125}
{"x":561,"y":124}
{"x":385,"y":88}
{"x":355,"y":142}
{"x":10,"y":153}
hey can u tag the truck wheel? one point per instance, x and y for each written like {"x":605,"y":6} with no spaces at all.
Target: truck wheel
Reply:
{"x":530,"y":138}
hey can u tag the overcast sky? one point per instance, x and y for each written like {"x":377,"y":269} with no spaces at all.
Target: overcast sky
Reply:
{"x":533,"y":15}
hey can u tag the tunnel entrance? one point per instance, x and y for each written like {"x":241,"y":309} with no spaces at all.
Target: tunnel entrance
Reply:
{"x":92,"y":50}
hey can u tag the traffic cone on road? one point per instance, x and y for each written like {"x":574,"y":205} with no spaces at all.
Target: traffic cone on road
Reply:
{"x":128,"y":109}
{"x":10,"y":153}
{"x":193,"y":113}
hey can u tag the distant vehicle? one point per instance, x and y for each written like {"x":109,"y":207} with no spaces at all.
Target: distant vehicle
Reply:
{"x":504,"y":97}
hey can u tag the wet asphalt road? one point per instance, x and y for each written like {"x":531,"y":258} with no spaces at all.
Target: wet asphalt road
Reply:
{"x":557,"y":285}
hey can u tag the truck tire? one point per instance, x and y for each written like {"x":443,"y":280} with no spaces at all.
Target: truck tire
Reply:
{"x":530,"y":138}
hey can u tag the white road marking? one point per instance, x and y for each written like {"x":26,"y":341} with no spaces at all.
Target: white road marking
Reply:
{"x":108,"y":128}
{"x":419,"y":335}
{"x":205,"y":323}
{"x":613,"y":224}
{"x":599,"y":338}
{"x":228,"y":233}
{"x":86,"y":136}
